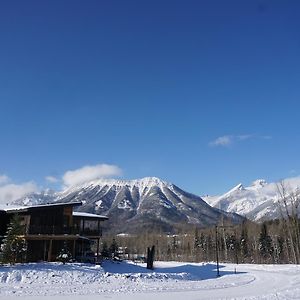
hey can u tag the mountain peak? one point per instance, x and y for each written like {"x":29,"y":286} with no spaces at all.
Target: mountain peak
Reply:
{"x":259,"y":183}
{"x":258,"y":202}
{"x":146,"y":181}
{"x":238,"y":187}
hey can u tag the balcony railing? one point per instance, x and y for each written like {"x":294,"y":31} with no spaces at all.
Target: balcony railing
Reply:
{"x":34,"y":229}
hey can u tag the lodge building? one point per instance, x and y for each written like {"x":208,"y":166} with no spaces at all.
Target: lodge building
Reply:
{"x":47,"y":228}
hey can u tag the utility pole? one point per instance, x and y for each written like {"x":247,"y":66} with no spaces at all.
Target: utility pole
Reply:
{"x":217,"y":247}
{"x":235,"y":246}
{"x":217,"y":252}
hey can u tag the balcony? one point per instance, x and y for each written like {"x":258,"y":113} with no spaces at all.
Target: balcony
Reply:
{"x":59,"y":230}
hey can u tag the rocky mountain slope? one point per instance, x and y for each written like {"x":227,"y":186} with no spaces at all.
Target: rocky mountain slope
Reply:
{"x":259,"y":201}
{"x":134,"y":205}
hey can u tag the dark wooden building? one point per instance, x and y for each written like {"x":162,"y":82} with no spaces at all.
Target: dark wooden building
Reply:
{"x":50,"y":227}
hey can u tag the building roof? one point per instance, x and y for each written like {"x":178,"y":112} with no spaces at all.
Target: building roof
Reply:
{"x":7,"y":207}
{"x":20,"y":208}
{"x":88,"y":215}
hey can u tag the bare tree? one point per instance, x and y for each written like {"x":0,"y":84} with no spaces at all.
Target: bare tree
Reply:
{"x":288,"y":203}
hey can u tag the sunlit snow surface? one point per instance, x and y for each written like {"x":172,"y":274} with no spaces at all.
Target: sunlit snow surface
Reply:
{"x":169,"y":280}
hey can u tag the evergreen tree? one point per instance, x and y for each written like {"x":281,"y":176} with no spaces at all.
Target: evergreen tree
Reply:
{"x":113,"y":249}
{"x":244,"y":249}
{"x":232,"y":247}
{"x":279,"y":250}
{"x":64,"y":255}
{"x":169,"y":253}
{"x":174,"y":243}
{"x":265,"y":246}
{"x":105,"y":250}
{"x":196,"y":240}
{"x":14,"y":246}
{"x":202,"y":245}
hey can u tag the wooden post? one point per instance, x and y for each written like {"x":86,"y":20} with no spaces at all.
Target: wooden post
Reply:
{"x":150,"y":257}
{"x":217,"y":252}
{"x":45,"y":250}
{"x":74,"y":247}
{"x":50,"y":251}
{"x":98,"y":249}
{"x":99,"y":228}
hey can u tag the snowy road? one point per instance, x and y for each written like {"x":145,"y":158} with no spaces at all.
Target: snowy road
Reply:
{"x":169,"y":280}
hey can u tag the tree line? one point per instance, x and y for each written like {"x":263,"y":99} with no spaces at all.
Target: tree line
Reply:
{"x":276,"y":241}
{"x":245,"y":243}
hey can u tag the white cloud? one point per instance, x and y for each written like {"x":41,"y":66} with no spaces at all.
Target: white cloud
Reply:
{"x":244,"y":137}
{"x":88,"y":173}
{"x":10,"y":192}
{"x":51,"y":179}
{"x":225,"y":140}
{"x":4,"y":179}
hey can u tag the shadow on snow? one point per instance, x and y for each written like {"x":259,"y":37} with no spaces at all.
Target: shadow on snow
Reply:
{"x":184,"y":271}
{"x":192,"y":271}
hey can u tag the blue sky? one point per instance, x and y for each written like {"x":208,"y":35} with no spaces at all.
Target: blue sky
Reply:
{"x":204,"y":94}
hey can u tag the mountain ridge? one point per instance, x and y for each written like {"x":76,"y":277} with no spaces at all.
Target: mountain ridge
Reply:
{"x":259,"y":202}
{"x":132,"y":205}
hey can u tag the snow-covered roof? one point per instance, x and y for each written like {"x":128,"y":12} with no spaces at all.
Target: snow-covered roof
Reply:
{"x":7,"y":208}
{"x":88,"y":215}
{"x":20,"y":208}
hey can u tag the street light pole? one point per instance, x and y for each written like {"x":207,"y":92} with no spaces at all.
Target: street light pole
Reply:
{"x":217,"y":247}
{"x":217,"y":252}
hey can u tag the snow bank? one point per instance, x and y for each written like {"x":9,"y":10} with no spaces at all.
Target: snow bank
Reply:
{"x":168,"y":280}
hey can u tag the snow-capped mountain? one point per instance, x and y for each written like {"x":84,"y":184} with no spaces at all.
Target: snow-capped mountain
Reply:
{"x":132,"y":205}
{"x":38,"y":198}
{"x":259,"y":201}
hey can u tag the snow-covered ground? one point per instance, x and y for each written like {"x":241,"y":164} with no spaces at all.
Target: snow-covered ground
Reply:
{"x":169,"y":280}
